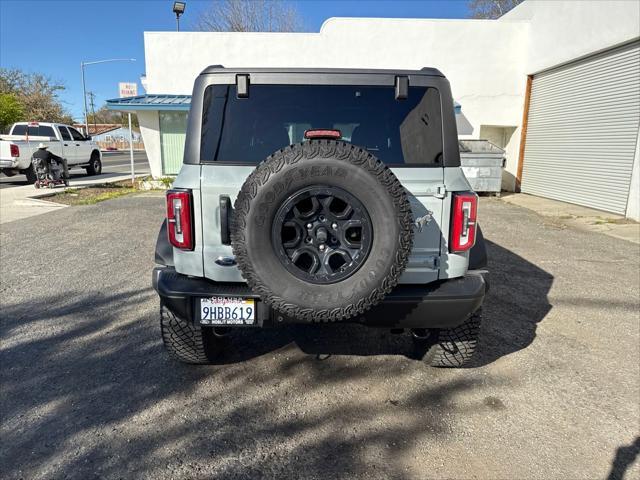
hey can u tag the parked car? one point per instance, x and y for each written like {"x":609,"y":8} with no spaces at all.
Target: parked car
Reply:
{"x":16,"y":148}
{"x":349,"y":205}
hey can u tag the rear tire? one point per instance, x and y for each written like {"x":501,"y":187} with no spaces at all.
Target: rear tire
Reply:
{"x":31,"y":175}
{"x":95,"y":165}
{"x":451,"y":347}
{"x":185,"y":341}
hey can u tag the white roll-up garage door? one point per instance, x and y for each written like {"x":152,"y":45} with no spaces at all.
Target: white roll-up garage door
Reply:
{"x":582,"y":130}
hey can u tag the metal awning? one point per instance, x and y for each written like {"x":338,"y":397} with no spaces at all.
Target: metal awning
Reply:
{"x":171,"y":102}
{"x":151,"y":102}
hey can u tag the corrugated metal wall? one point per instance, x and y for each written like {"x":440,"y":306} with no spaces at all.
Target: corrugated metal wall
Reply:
{"x":582,"y":130}
{"x":173,"y":132}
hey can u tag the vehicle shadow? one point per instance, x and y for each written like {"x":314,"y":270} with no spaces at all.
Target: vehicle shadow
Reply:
{"x":91,"y":393}
{"x":88,"y":390}
{"x":517,"y":301}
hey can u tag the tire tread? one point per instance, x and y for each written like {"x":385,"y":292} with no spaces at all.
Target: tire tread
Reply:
{"x":307,"y":151}
{"x":454,"y":347}
{"x":184,"y":342}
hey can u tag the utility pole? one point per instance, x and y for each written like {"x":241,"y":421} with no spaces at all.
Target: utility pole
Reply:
{"x":92,"y":97}
{"x":84,"y":99}
{"x":84,"y":88}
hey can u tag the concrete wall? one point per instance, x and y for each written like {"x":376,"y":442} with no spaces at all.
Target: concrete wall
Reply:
{"x":564,"y":30}
{"x":481,"y":58}
{"x":486,"y":61}
{"x":150,"y":129}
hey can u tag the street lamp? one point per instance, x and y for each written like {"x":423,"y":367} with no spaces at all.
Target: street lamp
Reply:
{"x":84,"y":91}
{"x":178,"y":9}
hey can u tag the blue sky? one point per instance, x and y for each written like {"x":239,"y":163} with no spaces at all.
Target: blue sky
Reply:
{"x":53,"y":37}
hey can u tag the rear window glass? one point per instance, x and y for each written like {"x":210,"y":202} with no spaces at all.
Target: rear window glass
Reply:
{"x":34,"y":130}
{"x":250,"y":129}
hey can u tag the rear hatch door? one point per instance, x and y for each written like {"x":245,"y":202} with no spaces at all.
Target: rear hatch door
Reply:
{"x":406,"y":134}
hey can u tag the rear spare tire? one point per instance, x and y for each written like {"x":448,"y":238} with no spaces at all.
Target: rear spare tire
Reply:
{"x":322,"y":230}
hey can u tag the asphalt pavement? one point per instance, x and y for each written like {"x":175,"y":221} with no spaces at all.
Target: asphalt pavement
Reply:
{"x":112,"y":162}
{"x":87,"y":390}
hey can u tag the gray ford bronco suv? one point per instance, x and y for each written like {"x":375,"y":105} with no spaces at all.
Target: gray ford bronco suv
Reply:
{"x":321,"y":195}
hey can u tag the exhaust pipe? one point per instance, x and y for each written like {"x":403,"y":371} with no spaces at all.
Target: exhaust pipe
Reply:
{"x":420,"y":333}
{"x":221,"y":332}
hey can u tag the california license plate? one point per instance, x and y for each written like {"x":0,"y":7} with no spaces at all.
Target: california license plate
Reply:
{"x":227,"y":311}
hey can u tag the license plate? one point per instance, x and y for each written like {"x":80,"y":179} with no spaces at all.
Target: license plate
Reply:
{"x":227,"y":311}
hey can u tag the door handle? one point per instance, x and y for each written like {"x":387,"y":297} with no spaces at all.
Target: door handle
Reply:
{"x":77,"y":144}
{"x":66,"y":144}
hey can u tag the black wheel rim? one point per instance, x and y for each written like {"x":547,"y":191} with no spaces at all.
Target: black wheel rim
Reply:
{"x":322,"y":234}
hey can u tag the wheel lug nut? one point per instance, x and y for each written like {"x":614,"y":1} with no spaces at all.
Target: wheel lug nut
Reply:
{"x":321,"y":247}
{"x":334,"y":226}
{"x":309,"y":226}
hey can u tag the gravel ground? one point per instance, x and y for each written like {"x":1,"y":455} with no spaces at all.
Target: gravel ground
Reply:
{"x":88,"y":392}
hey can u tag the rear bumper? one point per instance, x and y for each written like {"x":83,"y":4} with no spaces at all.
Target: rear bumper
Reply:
{"x":443,"y":304}
{"x":7,"y":163}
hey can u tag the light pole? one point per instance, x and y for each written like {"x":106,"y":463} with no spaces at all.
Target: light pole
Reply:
{"x":178,"y":9}
{"x":84,"y":89}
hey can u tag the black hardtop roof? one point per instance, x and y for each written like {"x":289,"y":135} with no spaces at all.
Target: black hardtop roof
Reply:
{"x":432,"y":72}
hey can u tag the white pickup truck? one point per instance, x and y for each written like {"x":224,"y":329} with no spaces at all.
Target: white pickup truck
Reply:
{"x":16,"y":148}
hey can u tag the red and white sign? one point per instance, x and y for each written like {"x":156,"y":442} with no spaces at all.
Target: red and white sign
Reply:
{"x":128,"y":89}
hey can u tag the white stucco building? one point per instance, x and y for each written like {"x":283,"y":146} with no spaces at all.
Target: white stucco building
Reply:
{"x":555,"y":83}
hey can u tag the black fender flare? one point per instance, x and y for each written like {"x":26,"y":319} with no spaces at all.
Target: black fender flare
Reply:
{"x":164,"y":250}
{"x":478,"y":253}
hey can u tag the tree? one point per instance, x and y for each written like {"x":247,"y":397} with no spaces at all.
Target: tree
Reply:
{"x":36,"y":93}
{"x":11,"y":110}
{"x":491,"y":9}
{"x":250,"y":16}
{"x":104,"y":115}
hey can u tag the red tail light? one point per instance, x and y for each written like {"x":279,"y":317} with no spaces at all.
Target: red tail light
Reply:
{"x":15,"y":151}
{"x":179,"y":219}
{"x":463,"y":221}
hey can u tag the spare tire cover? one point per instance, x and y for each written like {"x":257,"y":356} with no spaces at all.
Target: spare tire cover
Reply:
{"x":322,"y":230}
